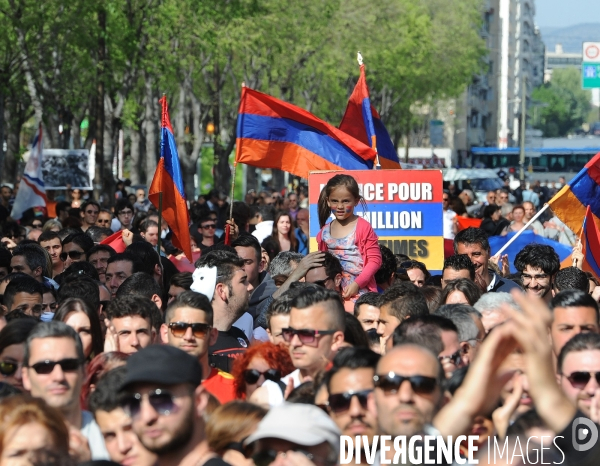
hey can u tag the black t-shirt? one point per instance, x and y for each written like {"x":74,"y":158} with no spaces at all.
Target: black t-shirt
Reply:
{"x":229,"y":345}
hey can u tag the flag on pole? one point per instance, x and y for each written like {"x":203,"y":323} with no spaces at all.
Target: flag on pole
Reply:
{"x":272,"y":133}
{"x":168,"y":181}
{"x":571,"y":202}
{"x":590,"y":241}
{"x":32,"y":192}
{"x":362,"y":122}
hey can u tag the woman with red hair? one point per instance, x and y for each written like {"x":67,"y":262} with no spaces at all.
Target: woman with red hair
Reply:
{"x":262,"y":361}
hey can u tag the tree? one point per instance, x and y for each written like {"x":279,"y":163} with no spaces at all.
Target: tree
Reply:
{"x":567,"y":105}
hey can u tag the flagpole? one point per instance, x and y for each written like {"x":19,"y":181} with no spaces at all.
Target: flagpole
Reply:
{"x":160,"y":209}
{"x":377,"y":165}
{"x":533,"y":219}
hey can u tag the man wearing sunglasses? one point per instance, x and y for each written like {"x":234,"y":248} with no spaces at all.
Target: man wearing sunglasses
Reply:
{"x":75,"y":247}
{"x":350,"y":386}
{"x":163,"y":396}
{"x":89,"y":214}
{"x":578,"y":370}
{"x":189,"y":327}
{"x":573,"y":312}
{"x":315,"y":332}
{"x":53,"y":370}
{"x":408,"y":391}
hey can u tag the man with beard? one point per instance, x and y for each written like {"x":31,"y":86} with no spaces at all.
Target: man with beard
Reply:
{"x":221,"y":277}
{"x":474,"y":243}
{"x":350,"y":387}
{"x":166,"y":402}
{"x":538,"y":265}
{"x":573,"y":312}
{"x":408,"y":391}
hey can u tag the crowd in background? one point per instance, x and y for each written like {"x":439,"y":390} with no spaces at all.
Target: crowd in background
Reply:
{"x":262,"y":355}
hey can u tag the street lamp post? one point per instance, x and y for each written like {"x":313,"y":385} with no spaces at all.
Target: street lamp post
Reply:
{"x":523,"y":126}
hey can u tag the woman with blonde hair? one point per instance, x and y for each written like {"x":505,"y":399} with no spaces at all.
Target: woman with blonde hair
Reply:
{"x":31,"y":432}
{"x":52,"y":225}
{"x":227,"y":428}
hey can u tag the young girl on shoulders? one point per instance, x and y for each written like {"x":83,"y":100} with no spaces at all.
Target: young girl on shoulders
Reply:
{"x":348,"y":237}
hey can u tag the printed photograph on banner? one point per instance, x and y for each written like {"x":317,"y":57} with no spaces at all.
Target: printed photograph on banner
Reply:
{"x":404,"y":208}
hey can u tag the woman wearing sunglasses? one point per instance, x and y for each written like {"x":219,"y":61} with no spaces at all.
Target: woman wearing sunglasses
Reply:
{"x":12,"y":349}
{"x":227,"y":428}
{"x":263,"y":361}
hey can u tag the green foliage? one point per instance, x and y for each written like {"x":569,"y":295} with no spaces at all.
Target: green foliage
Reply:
{"x":567,"y":105}
{"x":200,"y":52}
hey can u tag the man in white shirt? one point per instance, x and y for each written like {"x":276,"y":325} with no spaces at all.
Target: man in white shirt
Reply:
{"x":449,"y":217}
{"x":263,"y":219}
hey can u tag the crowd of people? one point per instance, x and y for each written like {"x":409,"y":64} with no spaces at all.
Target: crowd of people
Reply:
{"x":267,"y":353}
{"x":508,"y":210}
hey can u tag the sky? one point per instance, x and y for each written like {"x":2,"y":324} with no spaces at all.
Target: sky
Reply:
{"x":563,"y":13}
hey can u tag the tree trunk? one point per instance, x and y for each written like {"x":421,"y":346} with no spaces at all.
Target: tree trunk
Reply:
{"x":13,"y":133}
{"x":134,"y":135}
{"x":150,"y":126}
{"x":101,"y":175}
{"x":2,"y":168}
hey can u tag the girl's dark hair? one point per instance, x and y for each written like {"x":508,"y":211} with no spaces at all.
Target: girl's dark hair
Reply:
{"x":337,"y":181}
{"x":79,"y":305}
{"x":16,"y":332}
{"x":467,"y":287}
{"x":291,"y":235}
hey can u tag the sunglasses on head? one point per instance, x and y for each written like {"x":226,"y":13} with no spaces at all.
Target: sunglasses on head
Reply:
{"x":162,"y":401}
{"x":8,"y":368}
{"x":305,"y":335}
{"x":47,"y":366}
{"x":74,"y":255}
{"x":390,"y":383}
{"x":251,"y":376}
{"x":340,"y":402}
{"x":580,"y":379}
{"x":199,"y":330}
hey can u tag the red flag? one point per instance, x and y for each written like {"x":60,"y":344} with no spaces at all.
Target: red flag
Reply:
{"x":115,"y":241}
{"x":465,"y":222}
{"x":168,"y":181}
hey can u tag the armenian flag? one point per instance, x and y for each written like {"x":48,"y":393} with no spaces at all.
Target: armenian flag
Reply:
{"x":571,"y":202}
{"x":168,"y":181}
{"x":272,"y":133}
{"x":362,"y":122}
{"x":590,"y":241}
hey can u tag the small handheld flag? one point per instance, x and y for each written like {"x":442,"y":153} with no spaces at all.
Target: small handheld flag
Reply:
{"x":32,"y":192}
{"x":168,"y":181}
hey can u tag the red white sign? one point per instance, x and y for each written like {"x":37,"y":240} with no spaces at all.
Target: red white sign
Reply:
{"x":591,"y":51}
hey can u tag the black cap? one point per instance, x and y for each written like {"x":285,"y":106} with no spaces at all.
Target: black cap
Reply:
{"x":162,"y":364}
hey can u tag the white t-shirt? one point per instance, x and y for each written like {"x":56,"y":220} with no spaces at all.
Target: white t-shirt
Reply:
{"x":91,"y":431}
{"x":449,"y":216}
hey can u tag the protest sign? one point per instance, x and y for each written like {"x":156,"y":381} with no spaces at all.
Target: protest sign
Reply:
{"x":404,"y":207}
{"x":64,"y":168}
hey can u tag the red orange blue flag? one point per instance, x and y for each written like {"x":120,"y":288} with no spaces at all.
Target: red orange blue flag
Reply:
{"x":168,"y":181}
{"x":32,"y":192}
{"x":590,"y":241}
{"x":272,"y":133}
{"x":362,"y":122}
{"x":571,"y":202}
